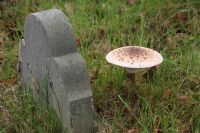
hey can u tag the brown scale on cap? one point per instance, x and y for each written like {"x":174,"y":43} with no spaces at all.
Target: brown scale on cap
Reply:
{"x":133,"y":52}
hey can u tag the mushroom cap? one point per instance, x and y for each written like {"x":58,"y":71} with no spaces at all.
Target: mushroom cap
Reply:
{"x":133,"y":57}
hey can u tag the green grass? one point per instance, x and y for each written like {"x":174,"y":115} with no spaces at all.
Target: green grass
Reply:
{"x":169,"y":101}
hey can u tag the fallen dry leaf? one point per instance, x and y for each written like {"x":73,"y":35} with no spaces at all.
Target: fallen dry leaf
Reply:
{"x":182,"y":16}
{"x":182,"y":99}
{"x":10,"y":81}
{"x":157,"y":131}
{"x":78,"y":42}
{"x":167,"y":93}
{"x":131,"y":2}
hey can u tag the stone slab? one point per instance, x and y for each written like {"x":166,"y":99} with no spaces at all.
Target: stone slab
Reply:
{"x":48,"y":51}
{"x":69,"y":73}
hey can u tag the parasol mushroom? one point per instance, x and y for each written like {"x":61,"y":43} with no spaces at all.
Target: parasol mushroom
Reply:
{"x":133,"y":58}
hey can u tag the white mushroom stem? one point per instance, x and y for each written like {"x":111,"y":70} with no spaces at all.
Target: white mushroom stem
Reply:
{"x":131,"y":75}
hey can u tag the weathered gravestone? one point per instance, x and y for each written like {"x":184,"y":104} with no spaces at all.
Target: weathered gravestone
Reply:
{"x":48,"y":51}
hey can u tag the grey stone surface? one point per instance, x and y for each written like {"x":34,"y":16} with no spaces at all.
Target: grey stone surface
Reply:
{"x":48,"y":51}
